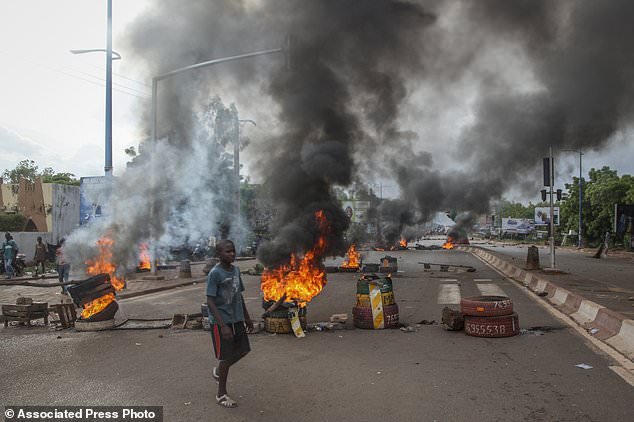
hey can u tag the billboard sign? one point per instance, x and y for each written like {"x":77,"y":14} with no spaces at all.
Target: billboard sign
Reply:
{"x":356,"y":210}
{"x":542,"y":216}
{"x":517,"y":225}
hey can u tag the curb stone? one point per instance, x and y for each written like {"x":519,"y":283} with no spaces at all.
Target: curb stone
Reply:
{"x":614,"y":329}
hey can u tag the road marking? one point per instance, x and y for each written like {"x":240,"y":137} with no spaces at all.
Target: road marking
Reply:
{"x":490,"y":290}
{"x":448,"y":279}
{"x":482,"y":279}
{"x":449,"y":294}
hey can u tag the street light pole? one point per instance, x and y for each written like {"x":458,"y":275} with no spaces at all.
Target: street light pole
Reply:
{"x":236,"y":170}
{"x":110,"y":56}
{"x":155,"y":81}
{"x":108,"y":166}
{"x":551,"y":240}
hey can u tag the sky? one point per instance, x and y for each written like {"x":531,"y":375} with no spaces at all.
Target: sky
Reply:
{"x":52,"y":103}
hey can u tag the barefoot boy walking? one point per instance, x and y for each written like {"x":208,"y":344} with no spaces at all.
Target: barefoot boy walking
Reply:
{"x":229,"y":317}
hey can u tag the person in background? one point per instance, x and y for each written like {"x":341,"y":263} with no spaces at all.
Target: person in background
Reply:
{"x":9,"y":252}
{"x":40,"y":256}
{"x":63,"y":268}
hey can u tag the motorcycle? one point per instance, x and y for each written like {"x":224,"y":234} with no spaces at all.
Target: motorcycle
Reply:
{"x":18,"y":264}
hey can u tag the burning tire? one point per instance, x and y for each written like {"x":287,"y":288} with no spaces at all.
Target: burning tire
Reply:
{"x":363,"y":287}
{"x":282,"y":325}
{"x":386,"y":299}
{"x":282,"y":309}
{"x":362,"y":317}
{"x":486,"y":306}
{"x":499,"y":326}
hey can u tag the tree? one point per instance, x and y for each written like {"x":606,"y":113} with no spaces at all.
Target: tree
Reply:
{"x":603,"y":189}
{"x":61,"y":178}
{"x":510,"y":209}
{"x":26,"y":169}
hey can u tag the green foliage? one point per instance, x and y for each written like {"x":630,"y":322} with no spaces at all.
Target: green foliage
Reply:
{"x":510,"y":209}
{"x":61,"y":178}
{"x":604,"y":189}
{"x":25,"y":169}
{"x":28,"y":170}
{"x":12,"y":223}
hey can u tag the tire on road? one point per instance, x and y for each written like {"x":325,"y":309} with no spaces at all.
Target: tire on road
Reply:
{"x":486,"y":306}
{"x":362,"y":317}
{"x":492,"y":327}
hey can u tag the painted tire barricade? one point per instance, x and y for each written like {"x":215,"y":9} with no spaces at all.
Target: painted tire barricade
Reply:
{"x":489,"y":316}
{"x":486,"y":306}
{"x":362,"y":317}
{"x":375,"y":306}
{"x":615,"y":329}
{"x":492,"y":327}
{"x":386,"y":298}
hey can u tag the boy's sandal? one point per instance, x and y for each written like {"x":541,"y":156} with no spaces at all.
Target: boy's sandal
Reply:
{"x":226,"y":401}
{"x":215,"y":375}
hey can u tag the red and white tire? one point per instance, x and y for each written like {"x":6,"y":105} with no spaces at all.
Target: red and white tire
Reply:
{"x":486,"y":306}
{"x":500,"y":326}
{"x":362,"y":317}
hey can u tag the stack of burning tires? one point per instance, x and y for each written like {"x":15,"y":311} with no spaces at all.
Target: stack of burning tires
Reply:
{"x":278,"y":319}
{"x":375,"y":307}
{"x":489,"y":316}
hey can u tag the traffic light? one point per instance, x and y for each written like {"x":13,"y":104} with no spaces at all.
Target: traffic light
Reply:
{"x":543,"y":192}
{"x":546,"y":163}
{"x":559,"y":194}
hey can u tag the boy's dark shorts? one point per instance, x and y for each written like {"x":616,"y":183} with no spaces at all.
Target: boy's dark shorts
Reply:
{"x":231,"y":349}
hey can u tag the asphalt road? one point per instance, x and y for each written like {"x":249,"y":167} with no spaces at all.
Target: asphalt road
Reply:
{"x":346,"y":375}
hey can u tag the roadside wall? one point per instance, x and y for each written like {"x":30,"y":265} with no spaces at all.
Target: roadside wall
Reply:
{"x":26,"y":242}
{"x":63,"y":217}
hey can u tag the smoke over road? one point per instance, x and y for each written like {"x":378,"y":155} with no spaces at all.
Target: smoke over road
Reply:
{"x":455,"y":101}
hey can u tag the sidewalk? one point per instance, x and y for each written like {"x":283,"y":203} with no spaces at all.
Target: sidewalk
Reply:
{"x":606,"y":311}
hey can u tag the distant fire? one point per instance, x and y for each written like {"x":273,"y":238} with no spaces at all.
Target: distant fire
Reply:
{"x":353,"y":258}
{"x":102,"y":265}
{"x":402,"y":243}
{"x":144,"y":257}
{"x":449,"y":244}
{"x":304,"y":277}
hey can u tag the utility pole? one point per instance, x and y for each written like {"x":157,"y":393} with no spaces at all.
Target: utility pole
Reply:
{"x":551,"y":239}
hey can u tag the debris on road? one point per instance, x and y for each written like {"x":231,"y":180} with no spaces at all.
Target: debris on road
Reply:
{"x":340,"y":318}
{"x":449,"y":267}
{"x":584,"y":366}
{"x":426,"y":322}
{"x":452,"y":320}
{"x":408,"y":329}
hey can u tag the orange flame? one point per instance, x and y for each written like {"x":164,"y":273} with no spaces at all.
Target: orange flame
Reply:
{"x":102,"y":265}
{"x":449,"y":244}
{"x":403,"y":242}
{"x":353,"y":258}
{"x":97,"y":305}
{"x":303,"y":278}
{"x":144,"y":257}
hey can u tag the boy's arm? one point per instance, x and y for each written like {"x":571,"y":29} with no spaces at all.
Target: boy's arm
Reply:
{"x":247,"y":318}
{"x":225,"y":330}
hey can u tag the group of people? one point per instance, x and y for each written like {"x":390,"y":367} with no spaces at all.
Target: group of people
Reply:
{"x":10,"y":252}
